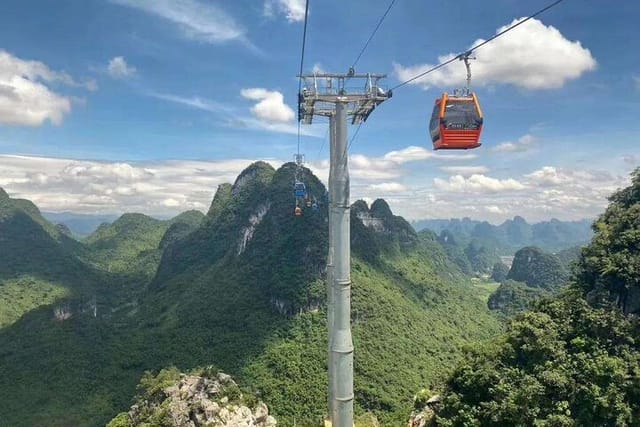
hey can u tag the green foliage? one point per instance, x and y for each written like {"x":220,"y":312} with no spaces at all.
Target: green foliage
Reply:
{"x":537,"y":269}
{"x":25,"y":293}
{"x":152,"y":386}
{"x":609,"y":267}
{"x":565,"y":363}
{"x":121,"y":420}
{"x":132,"y":244}
{"x":499,"y":272}
{"x":480,"y":256}
{"x":513,"y":297}
{"x":573,"y":360}
{"x":484,"y":288}
{"x":253,"y":306}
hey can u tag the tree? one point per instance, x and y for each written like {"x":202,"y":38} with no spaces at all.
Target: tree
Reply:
{"x":563,"y":364}
{"x":574,"y":360}
{"x":609,"y":267}
{"x":499,"y":272}
{"x":537,"y":269}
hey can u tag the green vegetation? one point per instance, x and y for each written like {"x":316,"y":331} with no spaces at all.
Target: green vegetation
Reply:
{"x":243,"y":291}
{"x":537,"y":269}
{"x":513,"y":297}
{"x":499,"y":272}
{"x":131,"y":244}
{"x":484,"y":288}
{"x":25,"y":293}
{"x":573,"y":360}
{"x":608,"y":270}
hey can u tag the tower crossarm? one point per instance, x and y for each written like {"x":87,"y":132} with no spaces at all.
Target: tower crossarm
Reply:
{"x":361,"y":93}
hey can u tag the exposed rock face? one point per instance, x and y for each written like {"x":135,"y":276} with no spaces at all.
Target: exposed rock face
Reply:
{"x":247,"y":232}
{"x":425,"y":414}
{"x":196,"y":401}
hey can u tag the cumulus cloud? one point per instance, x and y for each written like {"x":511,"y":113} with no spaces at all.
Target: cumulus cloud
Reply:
{"x":532,"y":56}
{"x":465,"y":170}
{"x":198,"y":20}
{"x":523,"y":143}
{"x":293,"y":10}
{"x":387,"y":167}
{"x":550,"y":176}
{"x":387,"y":187}
{"x":477,"y":183}
{"x":119,"y":69}
{"x":167,"y":187}
{"x":270,"y":107}
{"x":25,"y":97}
{"x":156,"y":188}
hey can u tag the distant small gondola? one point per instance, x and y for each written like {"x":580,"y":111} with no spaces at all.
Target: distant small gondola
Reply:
{"x":297,"y":211}
{"x":299,"y":189}
{"x":456,"y":122}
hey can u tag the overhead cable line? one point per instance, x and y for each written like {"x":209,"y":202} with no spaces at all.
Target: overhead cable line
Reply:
{"x":304,"y":41}
{"x":373,"y":34}
{"x":364,"y":48}
{"x":353,"y":66}
{"x":466,"y":53}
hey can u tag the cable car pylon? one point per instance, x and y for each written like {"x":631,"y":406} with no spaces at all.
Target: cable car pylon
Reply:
{"x":325,"y":95}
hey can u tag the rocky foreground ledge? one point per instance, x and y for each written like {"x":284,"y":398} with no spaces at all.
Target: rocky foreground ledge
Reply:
{"x":173,"y":399}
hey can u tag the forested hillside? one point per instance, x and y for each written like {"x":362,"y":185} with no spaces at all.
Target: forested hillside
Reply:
{"x":243,"y":289}
{"x":574,"y":360}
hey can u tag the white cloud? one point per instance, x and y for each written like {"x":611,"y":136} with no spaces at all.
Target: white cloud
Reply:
{"x":477,"y":183}
{"x":465,"y":170}
{"x":198,"y":20}
{"x":550,"y":176}
{"x":233,"y":120}
{"x":387,"y":166}
{"x":157,"y":188}
{"x":636,"y":81}
{"x":631,"y":159}
{"x":26,"y":99}
{"x":532,"y":56}
{"x":119,"y":69}
{"x":194,"y":102}
{"x":495,"y":209}
{"x":270,"y":107}
{"x":167,"y":187}
{"x":387,"y":187}
{"x":523,"y":143}
{"x":292,"y":9}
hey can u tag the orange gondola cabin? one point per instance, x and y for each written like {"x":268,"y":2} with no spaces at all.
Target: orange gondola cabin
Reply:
{"x":456,"y":122}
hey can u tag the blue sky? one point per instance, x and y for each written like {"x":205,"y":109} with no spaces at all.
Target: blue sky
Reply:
{"x":121,"y":105}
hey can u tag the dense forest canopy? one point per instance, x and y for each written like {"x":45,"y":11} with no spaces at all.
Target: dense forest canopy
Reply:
{"x":573,"y":360}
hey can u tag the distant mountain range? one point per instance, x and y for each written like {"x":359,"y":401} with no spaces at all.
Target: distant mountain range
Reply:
{"x":242,"y":289}
{"x":81,"y":225}
{"x":513,"y":234}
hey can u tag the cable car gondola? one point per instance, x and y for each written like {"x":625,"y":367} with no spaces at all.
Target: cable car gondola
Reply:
{"x":299,"y":189}
{"x":456,"y":121}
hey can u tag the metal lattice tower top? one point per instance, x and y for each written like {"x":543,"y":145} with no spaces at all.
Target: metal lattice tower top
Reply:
{"x":322,"y":91}
{"x":299,"y":159}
